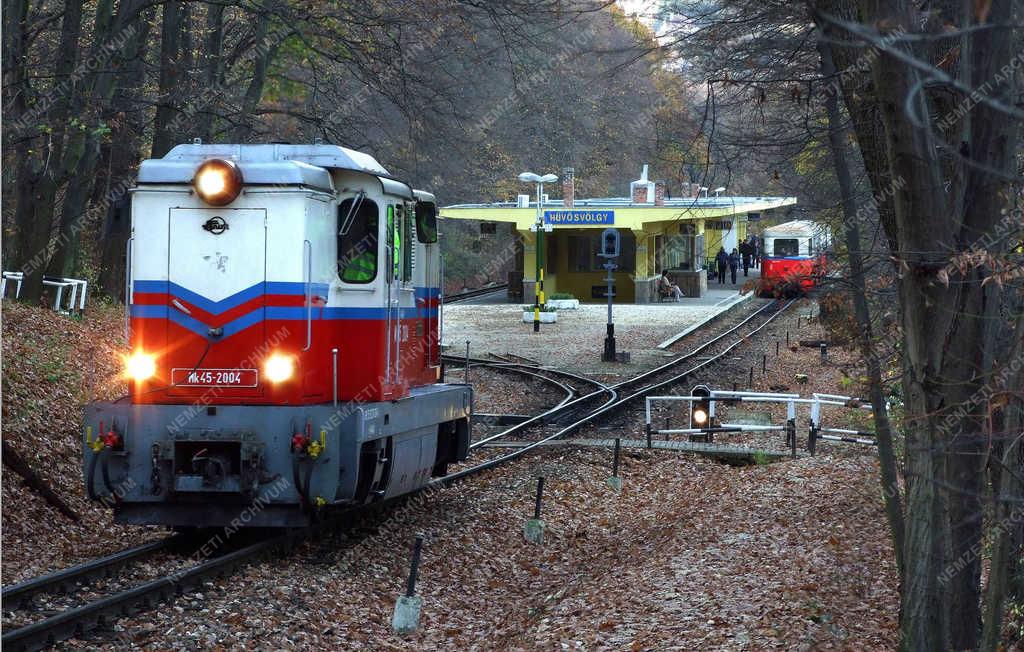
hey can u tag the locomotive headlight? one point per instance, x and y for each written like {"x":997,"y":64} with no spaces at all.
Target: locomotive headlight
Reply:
{"x":218,"y":182}
{"x":139,"y":366}
{"x":279,"y":368}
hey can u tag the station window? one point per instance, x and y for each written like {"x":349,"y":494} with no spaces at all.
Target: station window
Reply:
{"x":357,"y":240}
{"x":785,"y":247}
{"x":583,"y":250}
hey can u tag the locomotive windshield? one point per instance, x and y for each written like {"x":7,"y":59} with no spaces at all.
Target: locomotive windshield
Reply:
{"x":786,"y":247}
{"x":426,"y":222}
{"x":357,"y":244}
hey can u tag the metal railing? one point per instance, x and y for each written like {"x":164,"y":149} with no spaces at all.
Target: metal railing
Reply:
{"x":816,"y":430}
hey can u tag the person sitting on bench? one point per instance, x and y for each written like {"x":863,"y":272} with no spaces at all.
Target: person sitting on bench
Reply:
{"x":666,"y":288}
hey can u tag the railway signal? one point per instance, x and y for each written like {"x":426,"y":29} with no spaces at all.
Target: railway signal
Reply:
{"x":701,"y":414}
{"x":610,"y":249}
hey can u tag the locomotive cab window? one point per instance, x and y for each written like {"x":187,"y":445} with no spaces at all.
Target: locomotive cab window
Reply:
{"x":426,"y":222}
{"x":357,"y":239}
{"x":407,"y":240}
{"x":785,"y":247}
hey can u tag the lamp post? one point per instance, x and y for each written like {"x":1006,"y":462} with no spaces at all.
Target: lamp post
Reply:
{"x":538,"y":302}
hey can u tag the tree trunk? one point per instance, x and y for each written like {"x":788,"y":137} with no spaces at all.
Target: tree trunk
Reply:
{"x":213,"y":66}
{"x":127,"y":132}
{"x":171,"y":76}
{"x":84,"y":151}
{"x":15,"y":462}
{"x":1009,"y":496}
{"x":264,"y":55}
{"x":883,"y":428}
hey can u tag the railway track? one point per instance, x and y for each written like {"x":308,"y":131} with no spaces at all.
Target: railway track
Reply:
{"x":587,"y":400}
{"x":471,"y":294}
{"x":561,"y":421}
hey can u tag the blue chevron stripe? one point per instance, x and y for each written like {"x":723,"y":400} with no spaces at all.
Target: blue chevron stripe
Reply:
{"x":280,"y":313}
{"x":233,"y":301}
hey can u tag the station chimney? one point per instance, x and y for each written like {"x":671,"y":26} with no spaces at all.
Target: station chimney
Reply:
{"x":641,"y":191}
{"x":659,"y":192}
{"x":568,"y":188}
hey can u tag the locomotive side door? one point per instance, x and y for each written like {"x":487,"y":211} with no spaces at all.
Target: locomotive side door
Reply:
{"x":401,"y":290}
{"x":392,"y":271}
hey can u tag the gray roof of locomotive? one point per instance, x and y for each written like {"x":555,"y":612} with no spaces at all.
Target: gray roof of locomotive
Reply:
{"x":274,"y":164}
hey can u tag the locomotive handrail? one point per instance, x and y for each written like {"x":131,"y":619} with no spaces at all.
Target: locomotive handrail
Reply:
{"x":307,"y":253}
{"x":128,"y":290}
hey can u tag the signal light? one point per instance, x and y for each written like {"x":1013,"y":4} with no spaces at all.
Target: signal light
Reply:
{"x":139,"y":366}
{"x":610,"y":243}
{"x":279,"y":368}
{"x":700,"y":410}
{"x":218,"y":182}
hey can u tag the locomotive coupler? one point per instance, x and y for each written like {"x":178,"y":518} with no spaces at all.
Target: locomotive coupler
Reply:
{"x":212,"y":467}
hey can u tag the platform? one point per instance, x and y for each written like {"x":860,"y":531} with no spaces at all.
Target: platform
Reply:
{"x":576,"y":341}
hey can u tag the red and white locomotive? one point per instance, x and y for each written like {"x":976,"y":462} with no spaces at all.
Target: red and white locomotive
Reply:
{"x":793,"y":257}
{"x":283,"y":304}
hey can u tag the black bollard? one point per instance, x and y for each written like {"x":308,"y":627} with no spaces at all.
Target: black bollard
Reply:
{"x":812,"y":438}
{"x":787,"y":339}
{"x":414,"y":571}
{"x":764,"y":363}
{"x":540,"y":494}
{"x":750,"y":382}
{"x":791,"y":434}
{"x":466,"y":373}
{"x":776,"y":348}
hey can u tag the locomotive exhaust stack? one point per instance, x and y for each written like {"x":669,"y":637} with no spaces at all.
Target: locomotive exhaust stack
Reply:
{"x":269,"y":287}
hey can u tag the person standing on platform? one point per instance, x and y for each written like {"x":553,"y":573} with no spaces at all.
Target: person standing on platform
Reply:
{"x":746,"y":253}
{"x":758,"y":253}
{"x":734,"y":263}
{"x":722,"y":261}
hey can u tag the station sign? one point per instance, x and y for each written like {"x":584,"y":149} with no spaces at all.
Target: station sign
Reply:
{"x":579,"y":218}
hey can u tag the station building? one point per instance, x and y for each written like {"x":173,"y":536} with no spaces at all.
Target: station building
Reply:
{"x":657,"y":232}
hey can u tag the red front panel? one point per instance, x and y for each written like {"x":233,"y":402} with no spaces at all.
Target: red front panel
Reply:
{"x":776,"y":271}
{"x":231,"y":371}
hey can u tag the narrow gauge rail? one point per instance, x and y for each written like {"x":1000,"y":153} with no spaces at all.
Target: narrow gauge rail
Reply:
{"x":20,"y":593}
{"x":614,"y":397}
{"x":606,"y":398}
{"x":479,"y":292}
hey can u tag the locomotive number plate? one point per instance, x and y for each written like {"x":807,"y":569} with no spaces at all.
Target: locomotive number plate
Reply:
{"x":214,"y":377}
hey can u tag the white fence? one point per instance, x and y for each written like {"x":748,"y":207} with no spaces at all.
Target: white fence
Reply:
{"x":77,"y":289}
{"x":816,"y":430}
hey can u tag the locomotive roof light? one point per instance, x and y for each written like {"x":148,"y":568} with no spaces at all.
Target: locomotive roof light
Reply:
{"x":218,"y":182}
{"x":279,"y":368}
{"x":139,"y":366}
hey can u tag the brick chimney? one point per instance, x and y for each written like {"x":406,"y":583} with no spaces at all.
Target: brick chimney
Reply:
{"x":659,"y":192}
{"x":568,"y":187}
{"x":642,"y":191}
